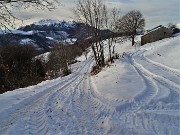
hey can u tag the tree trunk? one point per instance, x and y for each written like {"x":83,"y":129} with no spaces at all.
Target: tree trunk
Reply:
{"x":102,"y":58}
{"x":133,"y":40}
{"x":110,"y":56}
{"x":95,"y":53}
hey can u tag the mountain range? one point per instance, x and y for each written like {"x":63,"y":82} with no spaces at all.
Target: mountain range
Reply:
{"x":45,"y":33}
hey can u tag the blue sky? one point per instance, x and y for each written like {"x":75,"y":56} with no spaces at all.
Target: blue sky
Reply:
{"x":156,"y":12}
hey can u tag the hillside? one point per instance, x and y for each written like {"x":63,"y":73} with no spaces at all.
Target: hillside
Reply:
{"x":45,"y":33}
{"x":137,"y":95}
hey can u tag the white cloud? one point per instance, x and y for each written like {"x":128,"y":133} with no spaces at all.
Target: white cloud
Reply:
{"x":156,"y":12}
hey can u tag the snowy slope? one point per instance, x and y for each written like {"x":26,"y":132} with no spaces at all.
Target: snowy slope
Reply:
{"x":44,"y":34}
{"x":137,"y":95}
{"x":145,"y":84}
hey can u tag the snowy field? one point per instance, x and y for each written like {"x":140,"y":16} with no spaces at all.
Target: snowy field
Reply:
{"x":137,"y":95}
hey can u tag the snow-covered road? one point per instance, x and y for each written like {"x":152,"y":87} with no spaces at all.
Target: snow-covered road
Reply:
{"x":137,"y":95}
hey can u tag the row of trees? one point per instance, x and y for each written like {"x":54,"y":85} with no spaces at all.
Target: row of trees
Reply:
{"x":62,"y":56}
{"x":19,"y":66}
{"x":95,"y":14}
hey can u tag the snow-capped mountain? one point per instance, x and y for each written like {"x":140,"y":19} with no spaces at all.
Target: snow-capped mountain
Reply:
{"x":45,"y":33}
{"x":49,"y":22}
{"x":50,"y":25}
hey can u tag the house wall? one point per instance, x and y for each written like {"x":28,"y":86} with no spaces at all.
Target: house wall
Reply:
{"x":156,"y":35}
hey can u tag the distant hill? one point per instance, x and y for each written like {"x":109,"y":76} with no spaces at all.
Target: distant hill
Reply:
{"x":45,"y":33}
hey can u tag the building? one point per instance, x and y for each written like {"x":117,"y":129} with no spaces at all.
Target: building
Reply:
{"x":175,"y":30}
{"x":158,"y":33}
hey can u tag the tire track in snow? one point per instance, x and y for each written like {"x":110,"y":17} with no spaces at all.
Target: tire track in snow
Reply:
{"x":163,"y":83}
{"x":162,"y":70}
{"x":38,"y":119}
{"x":142,"y":98}
{"x":82,"y":107}
{"x":164,"y":67}
{"x":60,"y":103}
{"x":37,"y":123}
{"x":87,"y":109}
{"x":89,"y":112}
{"x":35,"y":117}
{"x":125,"y":110}
{"x":156,"y":77}
{"x":155,"y":119}
{"x":10,"y":122}
{"x":141,"y":55}
{"x":114,"y":119}
{"x":152,"y":121}
{"x":60,"y":114}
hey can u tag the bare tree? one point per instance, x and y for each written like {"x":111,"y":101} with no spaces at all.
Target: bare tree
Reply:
{"x":131,"y":23}
{"x":92,"y":12}
{"x":7,"y":18}
{"x":60,"y":57}
{"x":110,"y":23}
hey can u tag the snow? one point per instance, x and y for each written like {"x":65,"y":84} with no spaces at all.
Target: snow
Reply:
{"x":47,"y":22}
{"x":70,"y":40}
{"x":43,"y":57}
{"x":50,"y":38}
{"x":50,"y":22}
{"x":178,"y":25}
{"x":136,"y":95}
{"x":17,"y":32}
{"x":172,"y":46}
{"x":26,"y":41}
{"x":119,"y":74}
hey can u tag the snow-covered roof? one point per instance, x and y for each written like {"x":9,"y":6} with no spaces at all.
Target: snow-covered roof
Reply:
{"x":154,"y":29}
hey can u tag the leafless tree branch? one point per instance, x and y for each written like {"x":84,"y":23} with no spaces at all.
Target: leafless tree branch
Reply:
{"x":92,"y":12}
{"x":131,"y":23}
{"x":7,"y":18}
